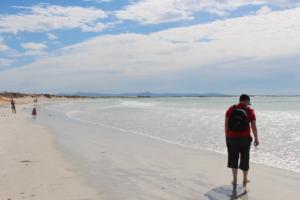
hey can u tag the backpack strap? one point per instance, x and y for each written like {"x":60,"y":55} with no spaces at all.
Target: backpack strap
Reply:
{"x":244,"y":109}
{"x":235,"y":107}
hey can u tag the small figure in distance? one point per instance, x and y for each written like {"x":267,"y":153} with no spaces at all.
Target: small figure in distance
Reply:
{"x":35,"y":100}
{"x":13,"y":106}
{"x":34,"y":113}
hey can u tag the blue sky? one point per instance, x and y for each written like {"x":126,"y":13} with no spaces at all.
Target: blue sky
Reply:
{"x":149,"y":45}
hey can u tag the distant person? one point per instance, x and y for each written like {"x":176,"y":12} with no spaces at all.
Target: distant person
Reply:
{"x":13,"y":106}
{"x":238,"y":120}
{"x":34,"y":113}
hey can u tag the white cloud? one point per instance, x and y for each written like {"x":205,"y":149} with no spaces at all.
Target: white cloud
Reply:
{"x":41,"y":18}
{"x":32,"y":49}
{"x":3,"y":46}
{"x":33,"y":53}
{"x":52,"y":36}
{"x":33,"y":46}
{"x":5,"y":62}
{"x":264,"y":10}
{"x":233,"y":45}
{"x":95,"y":28}
{"x":197,"y":45}
{"x":153,"y":12}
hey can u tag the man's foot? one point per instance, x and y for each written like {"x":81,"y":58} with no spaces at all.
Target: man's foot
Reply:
{"x":245,"y":186}
{"x":245,"y":182}
{"x":244,"y":191}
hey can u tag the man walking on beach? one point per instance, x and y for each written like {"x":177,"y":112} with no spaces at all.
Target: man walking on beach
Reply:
{"x":238,"y":120}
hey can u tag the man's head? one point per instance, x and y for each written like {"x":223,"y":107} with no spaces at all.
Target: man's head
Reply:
{"x":244,"y":98}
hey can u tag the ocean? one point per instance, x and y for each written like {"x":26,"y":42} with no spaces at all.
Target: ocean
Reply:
{"x":195,"y":122}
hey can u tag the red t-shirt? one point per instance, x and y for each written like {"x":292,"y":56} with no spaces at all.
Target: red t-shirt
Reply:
{"x":251,"y":117}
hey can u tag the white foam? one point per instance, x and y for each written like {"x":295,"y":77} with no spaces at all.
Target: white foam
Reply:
{"x":137,"y":104}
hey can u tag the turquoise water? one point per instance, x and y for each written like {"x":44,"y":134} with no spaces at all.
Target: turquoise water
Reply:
{"x":198,"y":123}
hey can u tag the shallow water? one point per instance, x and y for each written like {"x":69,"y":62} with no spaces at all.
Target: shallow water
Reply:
{"x":198,"y":123}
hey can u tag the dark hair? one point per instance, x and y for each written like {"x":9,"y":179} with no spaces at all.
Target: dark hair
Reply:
{"x":244,"y":97}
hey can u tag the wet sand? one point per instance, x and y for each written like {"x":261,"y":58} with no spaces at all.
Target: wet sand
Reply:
{"x":126,"y":166}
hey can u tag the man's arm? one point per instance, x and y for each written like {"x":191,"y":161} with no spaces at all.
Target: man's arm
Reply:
{"x":254,"y":131}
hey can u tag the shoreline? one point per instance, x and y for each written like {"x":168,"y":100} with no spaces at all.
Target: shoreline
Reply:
{"x":129,"y":166}
{"x":223,"y":153}
{"x":104,"y":162}
{"x":31,"y":165}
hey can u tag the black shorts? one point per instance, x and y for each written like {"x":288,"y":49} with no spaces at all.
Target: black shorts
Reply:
{"x":238,"y":148}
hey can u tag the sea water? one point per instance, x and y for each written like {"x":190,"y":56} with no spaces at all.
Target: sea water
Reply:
{"x":197,"y":122}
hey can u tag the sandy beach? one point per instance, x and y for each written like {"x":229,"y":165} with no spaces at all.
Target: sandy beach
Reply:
{"x":149,"y":100}
{"x":31,"y":167}
{"x":129,"y":167}
{"x":140,"y":168}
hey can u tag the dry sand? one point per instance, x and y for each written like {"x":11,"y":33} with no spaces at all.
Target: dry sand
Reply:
{"x":31,"y":167}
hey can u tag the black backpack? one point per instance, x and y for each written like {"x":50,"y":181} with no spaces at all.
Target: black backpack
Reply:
{"x":238,"y":120}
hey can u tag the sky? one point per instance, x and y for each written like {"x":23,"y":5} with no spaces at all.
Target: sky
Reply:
{"x":181,"y":46}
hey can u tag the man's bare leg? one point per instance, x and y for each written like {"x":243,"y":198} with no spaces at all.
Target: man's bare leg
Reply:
{"x":234,"y":176}
{"x":245,"y":180}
